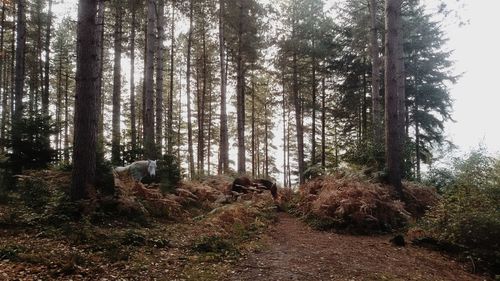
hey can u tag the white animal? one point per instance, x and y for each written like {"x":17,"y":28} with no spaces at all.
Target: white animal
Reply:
{"x":138,"y":169}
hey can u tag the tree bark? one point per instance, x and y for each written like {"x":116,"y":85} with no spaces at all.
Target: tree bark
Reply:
{"x":223,"y":142}
{"x":100,"y":94}
{"x":149,"y":116}
{"x":375,"y":81}
{"x":45,"y":95}
{"x":392,"y":116}
{"x":240,"y":98}
{"x":117,"y":85}
{"x":19,"y":85}
{"x":3,"y":71}
{"x":313,"y":86}
{"x":298,"y":120}
{"x":170,"y":133}
{"x":159,"y":74}
{"x":86,"y":108}
{"x":66,"y":116}
{"x":133,"y":129}
{"x":188,"y":91}
{"x":323,"y":124}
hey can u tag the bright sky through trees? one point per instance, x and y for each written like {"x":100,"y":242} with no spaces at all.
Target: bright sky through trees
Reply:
{"x":476,"y":94}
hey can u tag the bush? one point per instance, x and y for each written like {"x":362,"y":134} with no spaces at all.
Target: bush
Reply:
{"x":469,"y":214}
{"x":34,"y":192}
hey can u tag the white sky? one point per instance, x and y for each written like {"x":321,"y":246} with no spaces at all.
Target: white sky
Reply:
{"x":476,"y":95}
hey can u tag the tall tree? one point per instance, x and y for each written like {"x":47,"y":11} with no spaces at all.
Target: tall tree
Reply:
{"x":149,"y":124}
{"x":45,"y":95}
{"x":160,"y":29}
{"x":377,"y":125}
{"x":223,"y":141}
{"x":393,"y":135}
{"x":86,"y":108}
{"x":170,"y":132}
{"x":188,"y":91}
{"x":117,"y":85}
{"x":133,"y":123}
{"x":19,"y":85}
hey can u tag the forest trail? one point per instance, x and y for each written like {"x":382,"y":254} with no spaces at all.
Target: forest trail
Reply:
{"x":294,"y":251}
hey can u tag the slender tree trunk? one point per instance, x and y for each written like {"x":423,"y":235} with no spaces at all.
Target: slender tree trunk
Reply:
{"x":253,"y":131}
{"x":45,"y":96}
{"x":188,"y":91}
{"x":3,"y":71}
{"x":170,"y":140}
{"x":133,"y":123}
{"x":285,"y":143}
{"x":209,"y":133}
{"x":202,"y":105}
{"x":364,"y":114}
{"x":323,"y":124}
{"x":66,"y":116}
{"x":266,"y":141}
{"x":400,"y":72}
{"x":417,"y":140}
{"x":240,"y":97}
{"x":377,"y":125}
{"x":149,"y":116}
{"x":59,"y":106}
{"x":86,"y":108}
{"x":298,"y":120}
{"x":19,"y":85}
{"x":392,"y":122}
{"x":313,"y":86}
{"x":117,"y":87}
{"x":159,"y":74}
{"x":100,"y":94}
{"x":223,"y":142}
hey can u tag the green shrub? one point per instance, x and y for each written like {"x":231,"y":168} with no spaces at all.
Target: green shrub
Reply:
{"x":214,"y":244}
{"x":34,"y":192}
{"x":468,"y":216}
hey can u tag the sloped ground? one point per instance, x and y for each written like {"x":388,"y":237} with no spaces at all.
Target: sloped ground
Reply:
{"x":296,"y":252}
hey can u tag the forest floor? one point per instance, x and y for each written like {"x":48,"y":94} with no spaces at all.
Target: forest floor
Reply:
{"x":287,"y":249}
{"x":294,"y":251}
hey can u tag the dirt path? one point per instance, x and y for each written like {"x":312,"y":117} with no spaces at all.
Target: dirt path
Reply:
{"x":294,"y":251}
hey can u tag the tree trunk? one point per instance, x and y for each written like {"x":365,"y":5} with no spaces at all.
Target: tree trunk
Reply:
{"x":285,"y":139}
{"x":133,"y":130}
{"x":19,"y":85}
{"x":159,"y":74}
{"x":149,"y":118}
{"x":376,"y":97}
{"x":240,"y":98}
{"x":223,"y":142}
{"x":188,"y":91}
{"x":45,"y":95}
{"x":59,"y":105}
{"x":313,"y":86}
{"x":100,"y":94}
{"x":86,"y":108}
{"x":298,"y":120}
{"x":323,"y":124}
{"x":170,"y":133}
{"x":3,"y":70}
{"x":253,"y":131}
{"x":117,"y":87}
{"x":66,"y":116}
{"x":392,"y":122}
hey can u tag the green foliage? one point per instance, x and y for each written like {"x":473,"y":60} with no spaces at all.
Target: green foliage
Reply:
{"x":35,"y":193}
{"x":214,"y":244}
{"x":33,"y":148}
{"x":469,"y":214}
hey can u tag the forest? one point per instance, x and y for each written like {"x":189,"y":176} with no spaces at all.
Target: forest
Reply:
{"x":192,"y":139}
